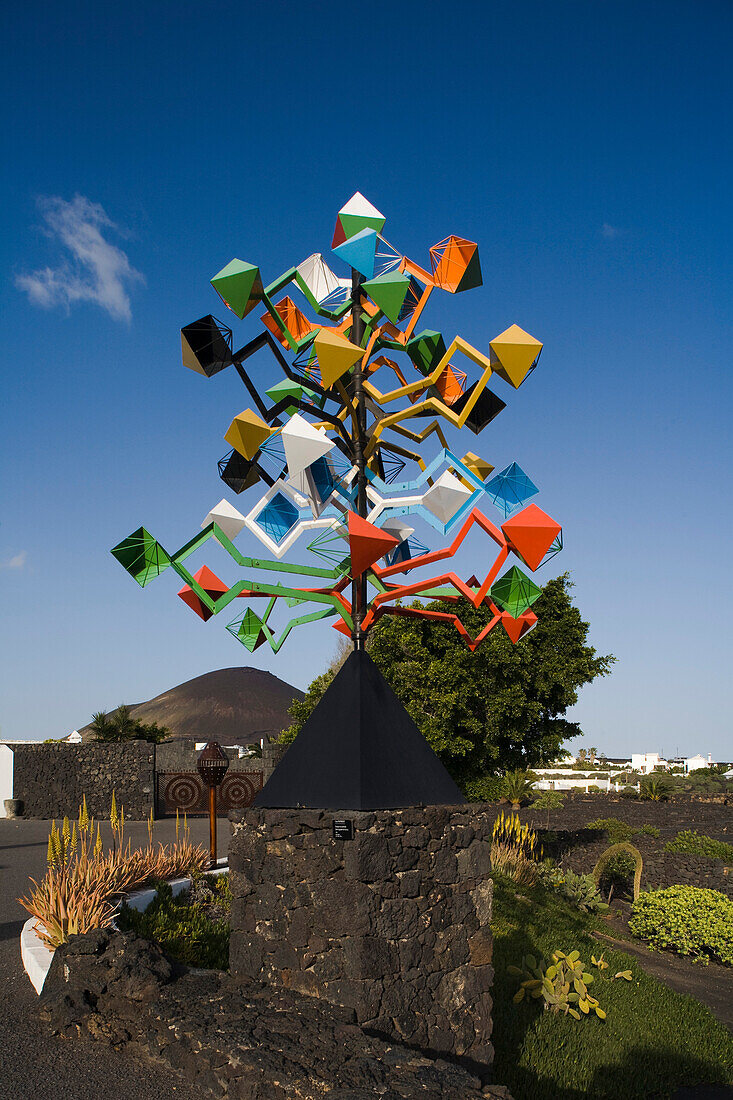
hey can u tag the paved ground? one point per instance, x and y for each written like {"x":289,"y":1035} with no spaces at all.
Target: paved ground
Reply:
{"x":712,"y":984}
{"x":34,"y":1065}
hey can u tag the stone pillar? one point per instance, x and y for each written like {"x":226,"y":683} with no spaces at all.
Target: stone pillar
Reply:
{"x":394,"y":923}
{"x":272,"y":754}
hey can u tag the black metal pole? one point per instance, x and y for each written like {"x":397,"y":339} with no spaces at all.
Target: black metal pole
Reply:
{"x":359,"y":584}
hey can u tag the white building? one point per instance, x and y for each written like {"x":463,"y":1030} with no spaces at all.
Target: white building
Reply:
{"x":74,"y":738}
{"x":694,"y":763}
{"x":646,"y":762}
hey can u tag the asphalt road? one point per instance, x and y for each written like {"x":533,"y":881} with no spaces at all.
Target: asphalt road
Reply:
{"x":33,"y":1064}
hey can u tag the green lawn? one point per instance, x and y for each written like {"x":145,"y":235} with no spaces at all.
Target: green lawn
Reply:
{"x":653,"y":1039}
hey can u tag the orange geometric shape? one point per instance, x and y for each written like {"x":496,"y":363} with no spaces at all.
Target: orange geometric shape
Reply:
{"x":455,"y":264}
{"x":517,"y":628}
{"x":450,"y":384}
{"x":294,"y":319}
{"x":342,"y":627}
{"x":212,"y":586}
{"x":531,"y":533}
{"x":367,"y":543}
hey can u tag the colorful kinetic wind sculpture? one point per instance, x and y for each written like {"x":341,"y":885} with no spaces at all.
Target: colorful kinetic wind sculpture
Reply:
{"x":330,"y":441}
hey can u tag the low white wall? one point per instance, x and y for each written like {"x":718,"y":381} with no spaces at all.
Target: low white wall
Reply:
{"x":6,"y":776}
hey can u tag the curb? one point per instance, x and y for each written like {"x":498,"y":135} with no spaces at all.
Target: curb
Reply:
{"x":37,"y":958}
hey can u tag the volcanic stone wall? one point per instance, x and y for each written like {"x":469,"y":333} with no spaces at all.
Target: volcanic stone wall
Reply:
{"x":394,"y":923}
{"x":52,"y":779}
{"x":182,"y":756}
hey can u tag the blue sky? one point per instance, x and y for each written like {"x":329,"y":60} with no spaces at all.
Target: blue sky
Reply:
{"x":584,"y":146}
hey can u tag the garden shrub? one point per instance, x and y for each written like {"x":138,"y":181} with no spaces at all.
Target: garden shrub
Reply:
{"x":489,"y":788}
{"x":562,"y":986}
{"x":519,"y":786}
{"x":687,"y":919}
{"x":617,"y":830}
{"x":193,"y":932}
{"x":618,"y":872}
{"x":650,"y":830}
{"x":609,"y":856}
{"x":628,"y":792}
{"x":697,"y":844}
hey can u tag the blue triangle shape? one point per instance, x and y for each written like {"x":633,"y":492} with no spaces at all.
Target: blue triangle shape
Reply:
{"x":359,"y":252}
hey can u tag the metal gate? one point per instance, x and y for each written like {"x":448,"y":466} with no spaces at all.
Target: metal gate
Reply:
{"x":186,"y":792}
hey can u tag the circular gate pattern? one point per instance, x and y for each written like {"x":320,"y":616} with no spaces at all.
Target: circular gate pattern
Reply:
{"x":184,"y":792}
{"x":236,"y":792}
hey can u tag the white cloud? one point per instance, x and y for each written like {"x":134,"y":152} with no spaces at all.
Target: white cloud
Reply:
{"x":97,"y":272}
{"x":610,"y":232}
{"x":16,"y":562}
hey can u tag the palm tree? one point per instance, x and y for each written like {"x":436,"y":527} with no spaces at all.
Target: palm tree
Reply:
{"x":518,"y":787}
{"x":656,"y":788}
{"x":117,"y":726}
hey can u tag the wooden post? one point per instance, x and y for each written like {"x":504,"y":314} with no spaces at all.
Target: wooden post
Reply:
{"x":212,"y":825}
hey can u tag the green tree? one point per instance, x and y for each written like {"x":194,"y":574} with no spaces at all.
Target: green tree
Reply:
{"x":495,"y":710}
{"x":120,"y":725}
{"x":550,"y":801}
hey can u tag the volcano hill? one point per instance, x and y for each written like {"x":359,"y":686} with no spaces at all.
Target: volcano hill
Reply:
{"x":234,"y":706}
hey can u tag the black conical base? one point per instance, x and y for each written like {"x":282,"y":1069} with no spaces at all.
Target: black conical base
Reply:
{"x":359,"y":750}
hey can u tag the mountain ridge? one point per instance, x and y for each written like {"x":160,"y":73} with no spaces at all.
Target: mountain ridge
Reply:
{"x":234,"y":706}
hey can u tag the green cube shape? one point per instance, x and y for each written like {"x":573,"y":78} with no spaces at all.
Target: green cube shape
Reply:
{"x":239,"y":286}
{"x":426,"y":350}
{"x":142,"y":556}
{"x":514,"y":592}
{"x":388,"y":292}
{"x":249,"y":630}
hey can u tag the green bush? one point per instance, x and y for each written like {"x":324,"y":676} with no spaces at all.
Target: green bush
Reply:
{"x":650,"y":830}
{"x":186,"y":929}
{"x":618,"y":872}
{"x":581,"y":891}
{"x":610,"y":857}
{"x":490,"y":788}
{"x":656,"y":788}
{"x":697,"y":844}
{"x":628,"y":792}
{"x":687,"y":919}
{"x":616,"y":829}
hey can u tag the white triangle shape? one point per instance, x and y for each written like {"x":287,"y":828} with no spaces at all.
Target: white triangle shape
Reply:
{"x":446,"y":496}
{"x":303,"y":444}
{"x":361,"y":207}
{"x":396,"y":527}
{"x":317,"y":276}
{"x":226,"y":516}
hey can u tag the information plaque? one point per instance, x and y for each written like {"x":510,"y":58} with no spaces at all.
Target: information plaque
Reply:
{"x":343,"y":829}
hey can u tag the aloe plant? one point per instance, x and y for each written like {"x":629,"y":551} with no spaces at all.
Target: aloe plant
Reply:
{"x":82,"y":879}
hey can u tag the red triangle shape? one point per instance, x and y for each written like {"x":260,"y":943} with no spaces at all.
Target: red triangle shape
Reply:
{"x":211,"y":584}
{"x":339,"y":236}
{"x":367,"y":543}
{"x":517,"y":628}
